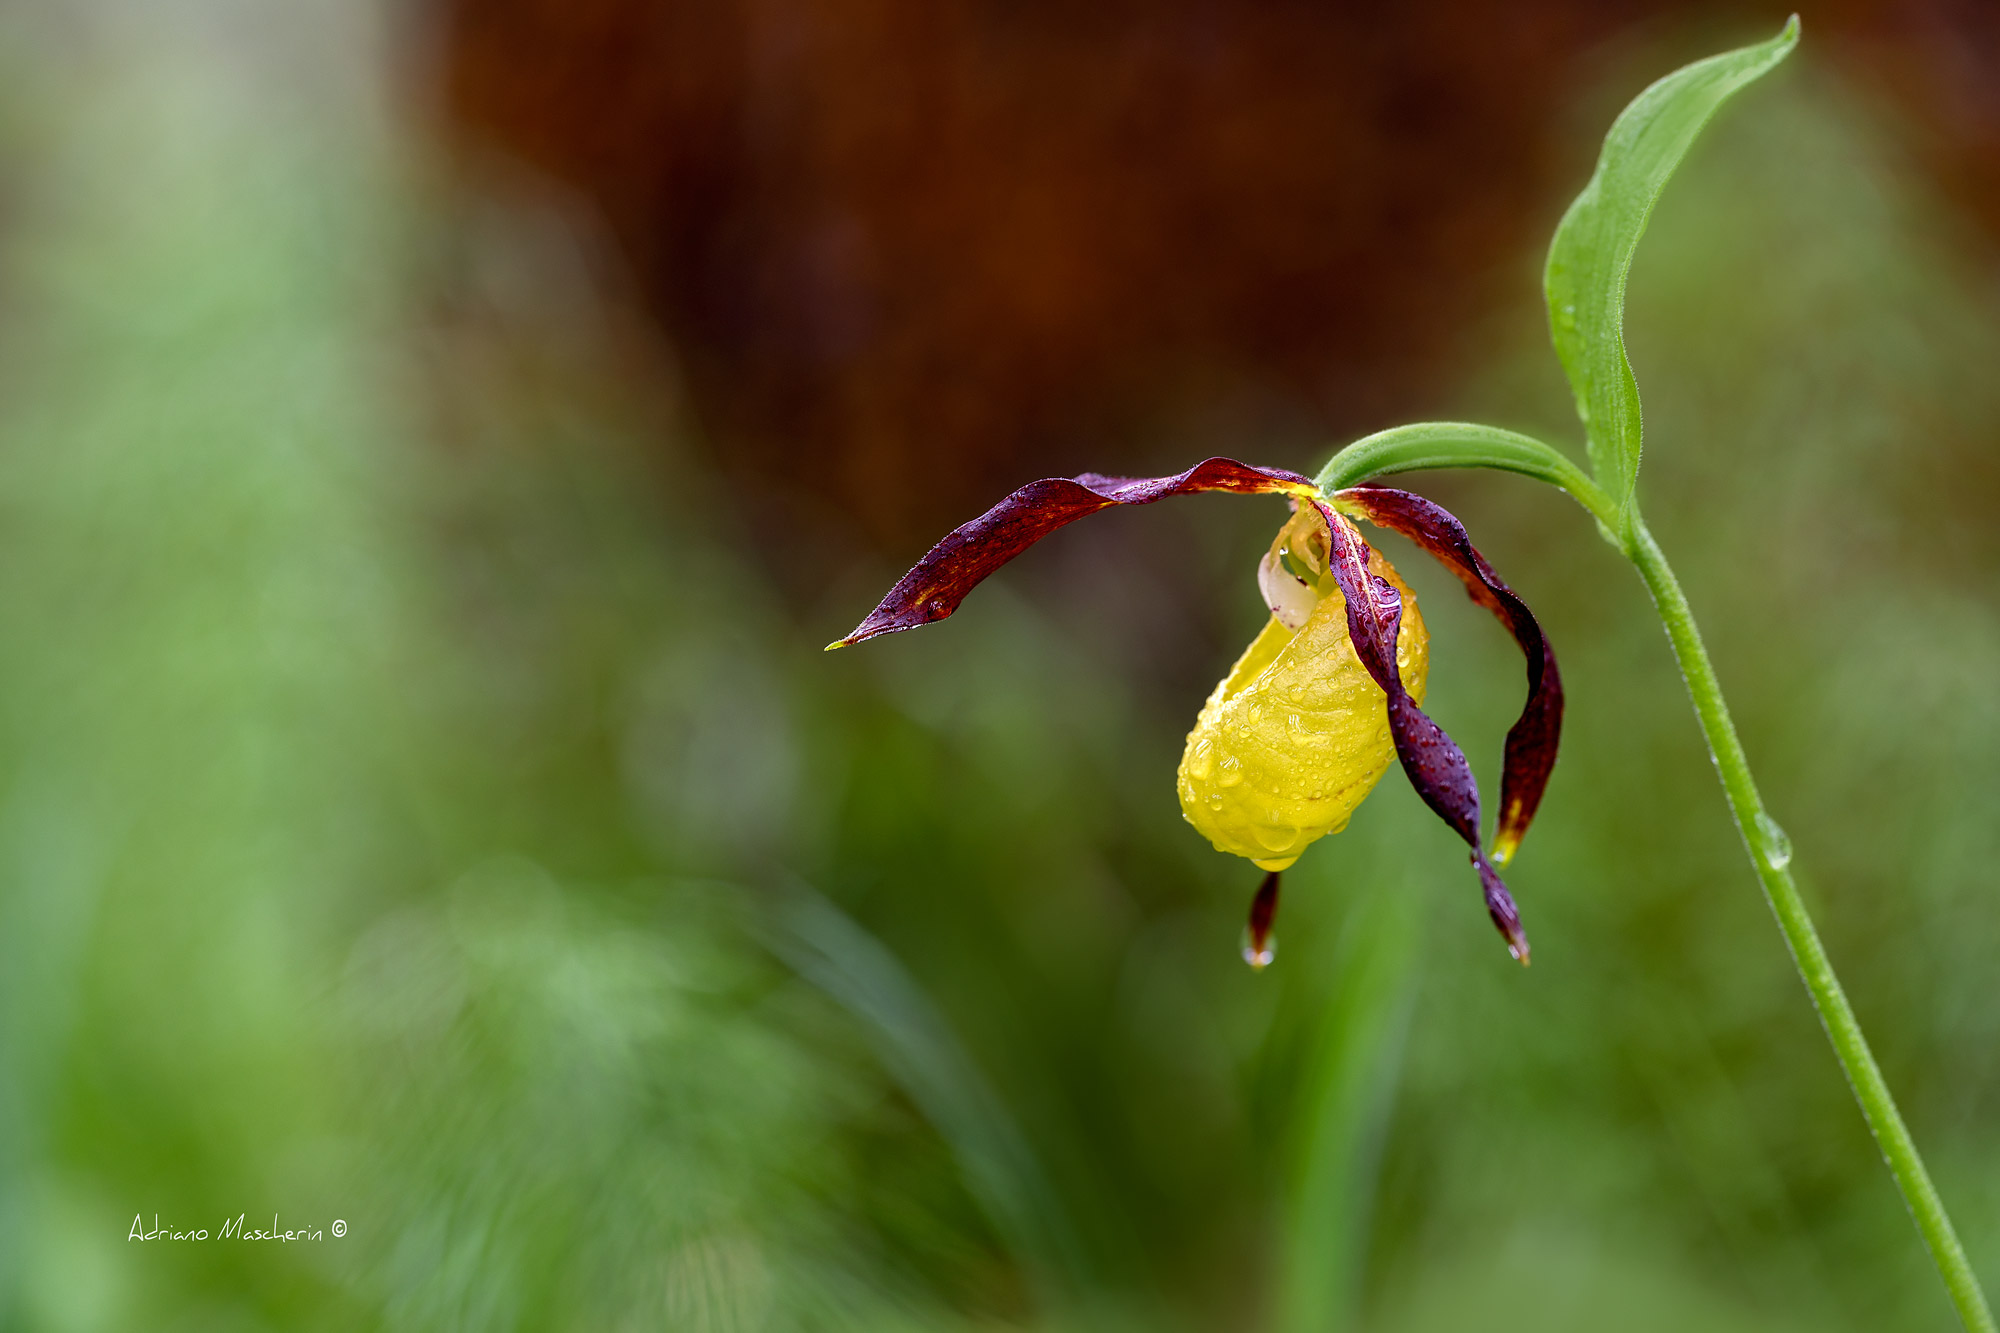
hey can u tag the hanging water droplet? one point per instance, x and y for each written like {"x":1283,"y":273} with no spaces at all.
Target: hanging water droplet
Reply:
{"x":1215,"y":800}
{"x":1775,"y":845}
{"x":1260,"y":945}
{"x":1232,"y":772}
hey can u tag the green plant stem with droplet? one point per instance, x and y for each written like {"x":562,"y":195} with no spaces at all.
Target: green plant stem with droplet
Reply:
{"x":1588,"y":263}
{"x":1770,"y":855}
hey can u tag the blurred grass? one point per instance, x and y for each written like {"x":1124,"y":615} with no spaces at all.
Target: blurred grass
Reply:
{"x":408,"y":751}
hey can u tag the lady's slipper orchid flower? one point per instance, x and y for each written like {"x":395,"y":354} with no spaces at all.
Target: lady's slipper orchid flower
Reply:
{"x":1326,"y":695}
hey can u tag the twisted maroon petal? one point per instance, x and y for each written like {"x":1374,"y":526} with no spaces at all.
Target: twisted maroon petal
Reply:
{"x":954,"y":567}
{"x":1532,"y":741}
{"x":1435,"y":765}
{"x":1258,"y":946}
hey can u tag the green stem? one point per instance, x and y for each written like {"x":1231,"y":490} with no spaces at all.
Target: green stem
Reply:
{"x":1769,"y":854}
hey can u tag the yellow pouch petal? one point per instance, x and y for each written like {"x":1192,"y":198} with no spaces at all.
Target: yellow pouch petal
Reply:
{"x":1296,"y":734}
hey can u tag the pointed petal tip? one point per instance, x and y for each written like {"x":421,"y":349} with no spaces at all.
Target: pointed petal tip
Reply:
{"x":1260,"y":946}
{"x":1500,"y":909}
{"x":1508,"y":920}
{"x":872,"y":628}
{"x":1504,"y":846}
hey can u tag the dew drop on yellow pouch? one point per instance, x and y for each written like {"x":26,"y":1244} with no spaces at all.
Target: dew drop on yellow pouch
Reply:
{"x":1296,"y":734}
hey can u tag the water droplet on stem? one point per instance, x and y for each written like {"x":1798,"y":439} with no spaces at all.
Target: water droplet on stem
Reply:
{"x":1773,"y":844}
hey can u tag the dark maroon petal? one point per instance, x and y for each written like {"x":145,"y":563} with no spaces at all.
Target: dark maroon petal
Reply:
{"x":1258,"y":947}
{"x":1531,"y":743}
{"x":1435,"y":765}
{"x":954,"y":567}
{"x":1374,"y":608}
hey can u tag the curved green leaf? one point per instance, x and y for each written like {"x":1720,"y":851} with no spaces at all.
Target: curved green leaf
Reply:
{"x":922,"y":1053}
{"x":1428,"y":445}
{"x":1593,"y":247}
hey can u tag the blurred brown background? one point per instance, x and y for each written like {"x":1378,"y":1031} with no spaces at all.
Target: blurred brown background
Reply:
{"x":921,"y":252}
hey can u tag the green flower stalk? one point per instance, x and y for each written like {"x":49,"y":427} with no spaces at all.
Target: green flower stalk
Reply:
{"x":1585,"y":286}
{"x":1328,"y":695}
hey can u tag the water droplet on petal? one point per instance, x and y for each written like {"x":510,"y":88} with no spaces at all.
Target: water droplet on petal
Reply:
{"x":1202,"y":762}
{"x":1275,"y":837}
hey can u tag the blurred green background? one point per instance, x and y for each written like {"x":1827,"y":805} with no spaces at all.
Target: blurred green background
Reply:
{"x":424,"y":803}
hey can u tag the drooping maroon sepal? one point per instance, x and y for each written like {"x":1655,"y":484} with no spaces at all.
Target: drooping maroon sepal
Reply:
{"x":1532,"y":741}
{"x":1435,"y":765}
{"x":1260,"y":946}
{"x":933,"y":589}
